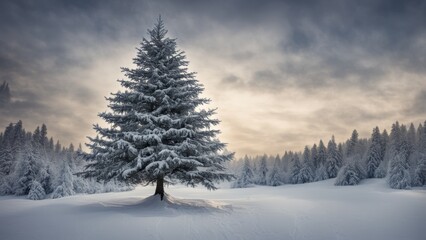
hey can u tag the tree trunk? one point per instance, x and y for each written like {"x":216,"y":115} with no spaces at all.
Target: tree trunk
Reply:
{"x":160,"y":188}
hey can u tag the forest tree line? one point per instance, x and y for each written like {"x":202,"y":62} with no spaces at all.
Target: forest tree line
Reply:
{"x":399,"y":156}
{"x":33,"y":165}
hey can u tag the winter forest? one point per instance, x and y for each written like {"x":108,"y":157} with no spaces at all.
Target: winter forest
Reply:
{"x":399,"y":156}
{"x":212,"y":120}
{"x":33,"y":165}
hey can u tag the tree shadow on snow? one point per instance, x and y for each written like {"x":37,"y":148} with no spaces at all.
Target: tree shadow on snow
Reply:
{"x":153,"y":206}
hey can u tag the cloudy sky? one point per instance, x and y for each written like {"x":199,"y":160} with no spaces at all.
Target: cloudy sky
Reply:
{"x":282,"y":74}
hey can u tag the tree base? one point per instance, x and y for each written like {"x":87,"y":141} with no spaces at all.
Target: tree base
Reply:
{"x":159,"y":189}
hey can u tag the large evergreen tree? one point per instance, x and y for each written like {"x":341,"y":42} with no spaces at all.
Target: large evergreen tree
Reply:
{"x":158,"y":133}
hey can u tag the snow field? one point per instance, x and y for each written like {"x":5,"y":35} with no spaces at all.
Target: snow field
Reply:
{"x":317,"y":210}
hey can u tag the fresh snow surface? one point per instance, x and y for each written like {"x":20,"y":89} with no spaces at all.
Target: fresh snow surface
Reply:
{"x":305,"y":211}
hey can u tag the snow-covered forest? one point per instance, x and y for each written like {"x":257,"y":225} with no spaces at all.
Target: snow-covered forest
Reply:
{"x":398,"y":156}
{"x":33,"y":165}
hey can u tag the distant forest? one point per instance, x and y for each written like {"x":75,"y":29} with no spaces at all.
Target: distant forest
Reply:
{"x":399,"y":156}
{"x":33,"y":165}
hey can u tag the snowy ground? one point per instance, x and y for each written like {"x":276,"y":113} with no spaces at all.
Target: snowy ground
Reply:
{"x":309,"y":211}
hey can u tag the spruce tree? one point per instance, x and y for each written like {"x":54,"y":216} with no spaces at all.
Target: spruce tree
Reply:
{"x":421,"y":131}
{"x":419,"y":178}
{"x":263,"y":171}
{"x":374,"y":154}
{"x":27,"y":170}
{"x":274,"y":177}
{"x":246,"y":176}
{"x":352,"y":144}
{"x":158,"y":133}
{"x":36,"y":192}
{"x":399,"y":175}
{"x":411,"y":139}
{"x":295,"y":170}
{"x":350,"y":174}
{"x":66,"y":182}
{"x":322,"y":155}
{"x":44,"y":141}
{"x":333,"y":162}
{"x":306,"y":174}
{"x":314,"y":155}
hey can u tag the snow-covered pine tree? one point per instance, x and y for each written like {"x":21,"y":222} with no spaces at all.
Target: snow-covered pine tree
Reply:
{"x":285,"y":161}
{"x":46,"y":179}
{"x":314,"y":156}
{"x":6,"y":158}
{"x":399,"y":175}
{"x":295,"y":170}
{"x":350,"y":174}
{"x":27,"y":170}
{"x":44,"y":141}
{"x":37,"y":136}
{"x":384,"y":142}
{"x":306,"y":173}
{"x":262,"y":171}
{"x":322,"y":155}
{"x":321,"y":173}
{"x":334,"y":162}
{"x":398,"y":172}
{"x":403,"y":147}
{"x":420,"y":172}
{"x":246,"y":176}
{"x":340,"y":153}
{"x":274,"y":177}
{"x":65,"y":182}
{"x":382,"y":169}
{"x":352,"y":144}
{"x":36,"y":192}
{"x":158,"y":133}
{"x":421,"y":144}
{"x":374,"y":154}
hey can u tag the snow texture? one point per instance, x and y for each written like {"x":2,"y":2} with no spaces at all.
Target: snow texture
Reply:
{"x":317,"y":211}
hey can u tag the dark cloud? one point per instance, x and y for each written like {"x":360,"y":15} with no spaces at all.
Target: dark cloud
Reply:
{"x":57,"y":55}
{"x":418,"y":105}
